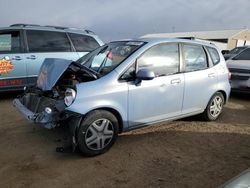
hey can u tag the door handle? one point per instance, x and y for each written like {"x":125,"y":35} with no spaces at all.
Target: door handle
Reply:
{"x":211,"y":75}
{"x":18,"y":58}
{"x":175,"y":81}
{"x":31,"y":57}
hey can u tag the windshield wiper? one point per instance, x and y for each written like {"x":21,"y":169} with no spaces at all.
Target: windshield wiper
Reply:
{"x":91,"y":72}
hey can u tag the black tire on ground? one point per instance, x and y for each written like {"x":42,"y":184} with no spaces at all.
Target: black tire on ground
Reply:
{"x":97,"y":127}
{"x":208,"y":114}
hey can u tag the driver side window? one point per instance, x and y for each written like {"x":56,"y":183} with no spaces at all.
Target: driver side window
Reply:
{"x":162,"y":59}
{"x":195,"y":58}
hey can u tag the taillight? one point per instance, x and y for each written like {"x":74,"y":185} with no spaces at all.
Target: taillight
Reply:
{"x":229,"y":75}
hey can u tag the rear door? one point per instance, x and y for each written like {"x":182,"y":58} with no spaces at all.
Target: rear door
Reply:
{"x":46,"y":44}
{"x":200,"y":78}
{"x":12,"y":60}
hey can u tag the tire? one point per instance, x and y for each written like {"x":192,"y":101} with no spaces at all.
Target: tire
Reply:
{"x":97,"y":133}
{"x":214,"y":107}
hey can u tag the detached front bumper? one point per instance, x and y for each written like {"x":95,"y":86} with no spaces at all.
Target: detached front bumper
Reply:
{"x":24,"y":111}
{"x":42,"y":110}
{"x":47,"y":120}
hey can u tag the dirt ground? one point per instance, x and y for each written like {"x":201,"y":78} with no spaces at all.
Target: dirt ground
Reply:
{"x":185,"y":153}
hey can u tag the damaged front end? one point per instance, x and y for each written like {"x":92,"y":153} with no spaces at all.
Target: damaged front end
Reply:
{"x":55,"y":90}
{"x":37,"y":107}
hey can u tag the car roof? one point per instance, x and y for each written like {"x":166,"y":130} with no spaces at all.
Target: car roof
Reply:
{"x":180,"y":40}
{"x":48,"y":28}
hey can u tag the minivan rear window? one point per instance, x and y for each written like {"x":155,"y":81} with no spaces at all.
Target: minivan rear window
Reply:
{"x":47,"y":41}
{"x":83,"y":43}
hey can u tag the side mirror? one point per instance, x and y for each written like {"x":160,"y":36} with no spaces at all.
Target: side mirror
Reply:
{"x":145,"y":74}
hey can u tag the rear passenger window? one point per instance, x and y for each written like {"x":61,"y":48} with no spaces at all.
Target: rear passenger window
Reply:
{"x":162,"y":59}
{"x":214,"y":55}
{"x":83,"y":43}
{"x":10,"y":42}
{"x":48,"y":41}
{"x":194,"y":58}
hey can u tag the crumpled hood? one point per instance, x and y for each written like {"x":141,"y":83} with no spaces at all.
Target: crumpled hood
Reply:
{"x":50,"y":72}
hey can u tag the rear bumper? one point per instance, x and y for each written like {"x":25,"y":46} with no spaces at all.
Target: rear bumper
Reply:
{"x":240,"y":85}
{"x":240,"y":80}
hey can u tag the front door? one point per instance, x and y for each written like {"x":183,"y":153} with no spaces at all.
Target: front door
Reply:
{"x":160,"y":98}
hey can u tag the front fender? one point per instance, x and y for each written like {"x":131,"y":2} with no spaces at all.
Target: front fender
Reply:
{"x":113,"y":97}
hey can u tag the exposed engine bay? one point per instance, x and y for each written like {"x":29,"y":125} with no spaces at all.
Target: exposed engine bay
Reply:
{"x":72,"y":76}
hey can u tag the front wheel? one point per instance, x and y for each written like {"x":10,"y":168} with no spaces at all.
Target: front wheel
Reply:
{"x":98,"y":132}
{"x":214,"y":107}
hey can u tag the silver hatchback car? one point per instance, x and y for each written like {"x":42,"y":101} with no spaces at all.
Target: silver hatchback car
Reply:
{"x":125,"y":85}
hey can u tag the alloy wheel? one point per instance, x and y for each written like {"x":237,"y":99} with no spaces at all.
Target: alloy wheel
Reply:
{"x":216,"y":106}
{"x":99,"y":134}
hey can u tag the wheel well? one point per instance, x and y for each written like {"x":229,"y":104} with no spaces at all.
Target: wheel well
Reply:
{"x":117,"y":115}
{"x":224,"y":95}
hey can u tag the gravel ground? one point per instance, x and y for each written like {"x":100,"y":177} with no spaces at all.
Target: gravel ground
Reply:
{"x":185,"y":153}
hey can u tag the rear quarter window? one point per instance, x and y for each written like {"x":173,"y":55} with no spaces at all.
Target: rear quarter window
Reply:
{"x":83,"y":43}
{"x":214,"y":55}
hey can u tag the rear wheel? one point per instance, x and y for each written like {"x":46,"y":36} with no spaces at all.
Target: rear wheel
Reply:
{"x":214,"y":107}
{"x":98,"y":132}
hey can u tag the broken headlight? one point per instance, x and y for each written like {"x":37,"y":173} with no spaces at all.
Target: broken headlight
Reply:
{"x":70,"y":95}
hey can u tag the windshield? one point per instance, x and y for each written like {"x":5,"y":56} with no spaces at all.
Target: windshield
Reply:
{"x":106,"y":58}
